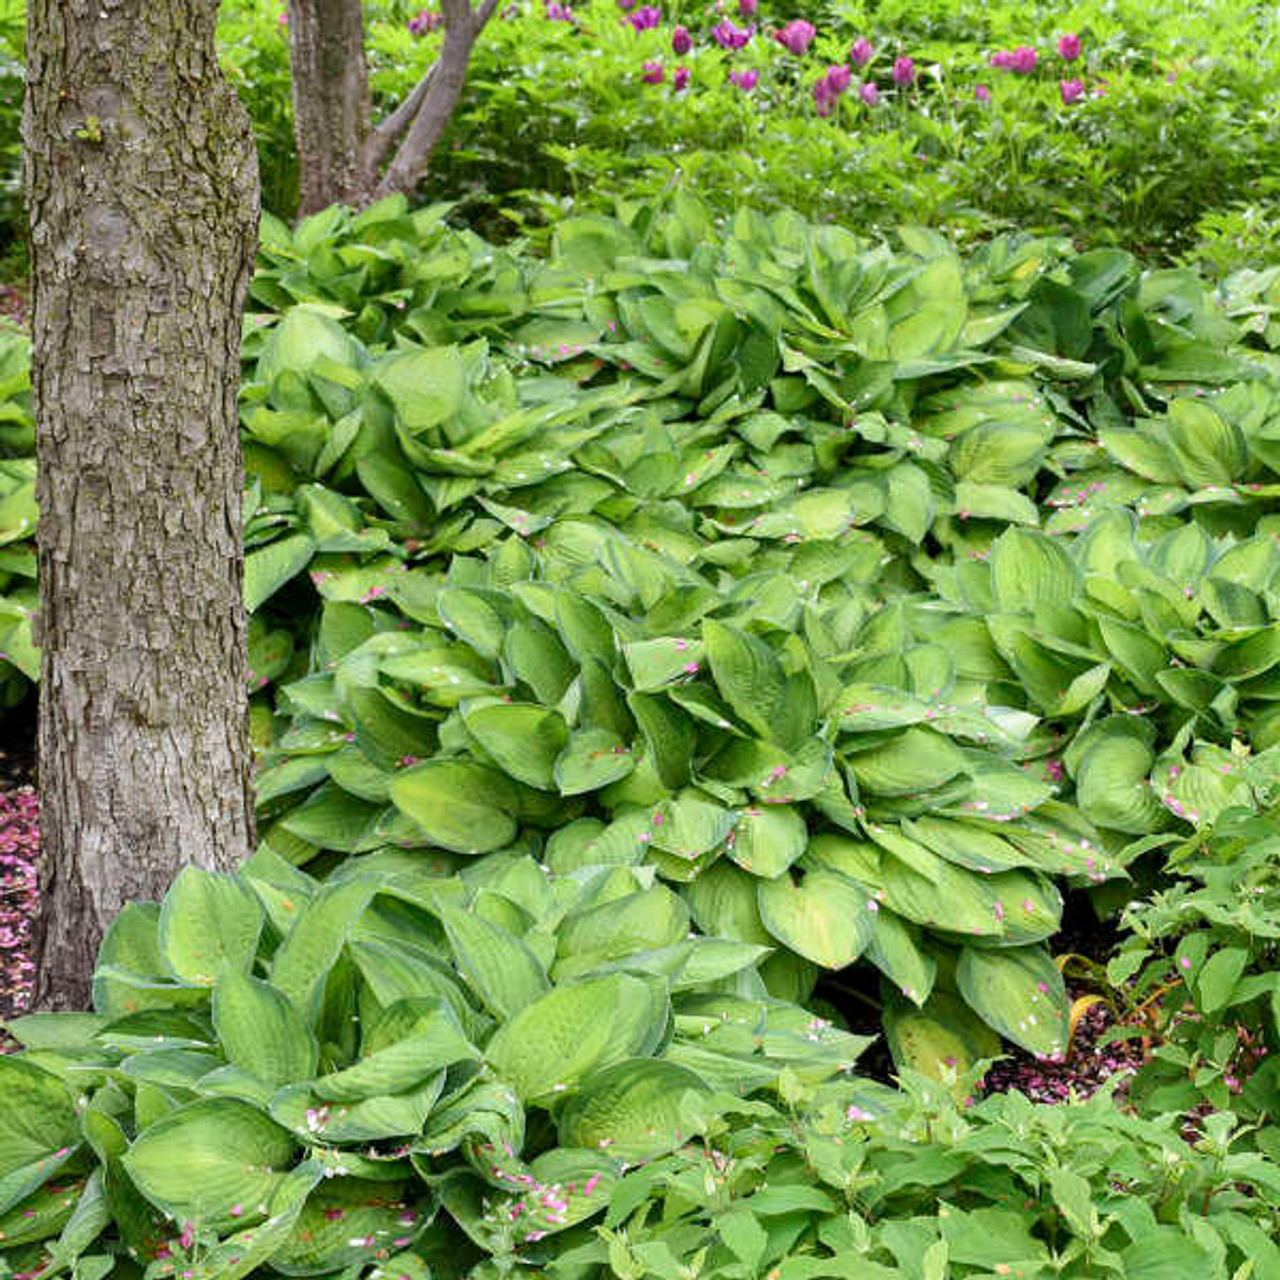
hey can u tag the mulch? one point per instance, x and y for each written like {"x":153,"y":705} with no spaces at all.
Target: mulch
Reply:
{"x":19,"y":849}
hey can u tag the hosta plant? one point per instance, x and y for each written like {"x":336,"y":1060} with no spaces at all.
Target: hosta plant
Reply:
{"x":316,"y":1077}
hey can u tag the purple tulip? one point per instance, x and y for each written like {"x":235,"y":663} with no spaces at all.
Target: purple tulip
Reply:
{"x":557,"y":12}
{"x":729,"y":36}
{"x":747,"y":8}
{"x":982,"y":94}
{"x":1069,"y":47}
{"x":904,"y":71}
{"x":796,"y":36}
{"x":1002,"y":59}
{"x":861,"y":52}
{"x":869,"y":94}
{"x":680,"y":80}
{"x":838,"y":79}
{"x":645,"y":17}
{"x":1024,"y":60}
{"x":681,"y":42}
{"x":744,"y":80}
{"x":652,"y":73}
{"x":1071,"y":90}
{"x":625,"y":4}
{"x":823,"y":98}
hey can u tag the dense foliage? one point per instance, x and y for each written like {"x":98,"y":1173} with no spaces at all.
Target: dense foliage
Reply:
{"x":725,"y":620}
{"x":641,"y":631}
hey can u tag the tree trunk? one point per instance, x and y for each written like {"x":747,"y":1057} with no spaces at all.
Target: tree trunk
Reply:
{"x":141,"y":184}
{"x":330,"y":101}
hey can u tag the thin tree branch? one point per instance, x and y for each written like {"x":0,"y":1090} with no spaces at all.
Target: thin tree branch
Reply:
{"x":483,"y":15}
{"x":388,"y":131}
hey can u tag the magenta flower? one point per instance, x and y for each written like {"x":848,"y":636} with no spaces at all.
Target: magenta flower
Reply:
{"x":652,"y":73}
{"x":838,"y":79}
{"x":1002,"y":59}
{"x":1071,"y":90}
{"x":1069,"y":47}
{"x":625,"y":4}
{"x":747,"y":8}
{"x":869,"y":94}
{"x":823,"y":98}
{"x":744,"y":80}
{"x":681,"y":42}
{"x":982,"y":94}
{"x":680,"y":80}
{"x":729,"y":36}
{"x":904,"y":71}
{"x":861,"y":52}
{"x":425,"y":21}
{"x":796,"y":36}
{"x":645,"y":17}
{"x":557,"y":12}
{"x":1024,"y":60}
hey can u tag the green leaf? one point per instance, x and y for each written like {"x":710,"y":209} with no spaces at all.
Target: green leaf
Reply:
{"x":637,"y":1108}
{"x":916,"y":760}
{"x":746,"y":673}
{"x":523,"y":738}
{"x":261,"y":1032}
{"x":569,"y":1032}
{"x":1019,"y":992}
{"x":1030,"y":569}
{"x":209,"y":923}
{"x":825,"y":918}
{"x":201,"y":1161}
{"x":498,"y":966}
{"x":427,"y":388}
{"x":591,"y":760}
{"x":767,"y":841}
{"x":461,"y":806}
{"x":1218,"y":977}
{"x":268,"y":568}
{"x":423,"y":1037}
{"x":302,"y":962}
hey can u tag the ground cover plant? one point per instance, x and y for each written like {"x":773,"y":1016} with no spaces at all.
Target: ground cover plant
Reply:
{"x":1093,"y":121}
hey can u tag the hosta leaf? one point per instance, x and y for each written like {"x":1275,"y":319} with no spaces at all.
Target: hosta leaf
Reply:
{"x":316,"y":1121}
{"x":591,"y":760}
{"x":209,"y":922}
{"x":916,"y":760}
{"x":524,"y":739}
{"x":944,"y":1039}
{"x":461,"y":806}
{"x":1030,"y":569}
{"x":261,"y":1032}
{"x":268,"y":568}
{"x":637,"y":1109}
{"x":640,"y":921}
{"x":303,"y":960}
{"x":654,"y":663}
{"x":432,"y":1040}
{"x":896,"y":950}
{"x":824,"y":918}
{"x":201,"y":1161}
{"x":339,"y":1220}
{"x":724,"y":903}
{"x":746,"y":673}
{"x":38,"y":1117}
{"x":1019,"y":992}
{"x":570,"y":1031}
{"x":767,"y":841}
{"x":1112,"y":787}
{"x":497,"y":965}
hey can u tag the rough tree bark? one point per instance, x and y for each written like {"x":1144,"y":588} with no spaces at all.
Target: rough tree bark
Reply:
{"x":142,"y":187}
{"x":330,"y":102}
{"x":341,"y":152}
